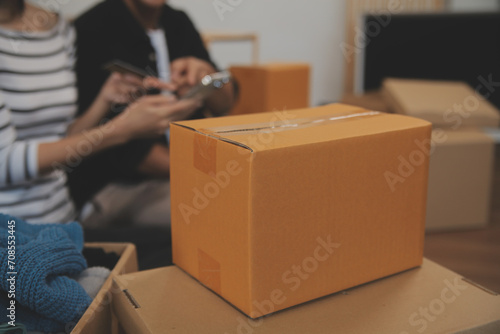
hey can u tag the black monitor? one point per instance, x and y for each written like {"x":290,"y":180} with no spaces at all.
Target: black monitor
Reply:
{"x":463,"y":47}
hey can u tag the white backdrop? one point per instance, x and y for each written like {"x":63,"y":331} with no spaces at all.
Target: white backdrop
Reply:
{"x":290,"y":30}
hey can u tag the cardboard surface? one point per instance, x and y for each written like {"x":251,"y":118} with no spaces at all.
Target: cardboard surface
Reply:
{"x":428,"y":299}
{"x":282,"y":208}
{"x":269,"y":87}
{"x":460,"y":180}
{"x":373,"y":100}
{"x":445,"y":104}
{"x":98,"y":319}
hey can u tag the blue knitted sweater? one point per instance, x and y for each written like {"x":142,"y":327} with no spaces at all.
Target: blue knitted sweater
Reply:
{"x":46,"y":298}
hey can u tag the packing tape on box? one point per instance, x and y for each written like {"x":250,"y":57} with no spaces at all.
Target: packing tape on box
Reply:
{"x":209,"y":271}
{"x":205,"y":140}
{"x":204,"y":153}
{"x":285,"y":125}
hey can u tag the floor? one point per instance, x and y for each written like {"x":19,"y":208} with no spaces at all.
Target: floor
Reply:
{"x":474,"y":254}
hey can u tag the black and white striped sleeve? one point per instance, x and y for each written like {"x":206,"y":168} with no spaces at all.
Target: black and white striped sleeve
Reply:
{"x":18,"y":159}
{"x":70,"y":43}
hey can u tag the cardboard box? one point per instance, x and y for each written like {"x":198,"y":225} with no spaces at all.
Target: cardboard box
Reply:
{"x":269,"y":87}
{"x":98,"y":319}
{"x":429,"y":299}
{"x":373,"y":100}
{"x":445,"y":104}
{"x":460,"y":180}
{"x":287,"y":207}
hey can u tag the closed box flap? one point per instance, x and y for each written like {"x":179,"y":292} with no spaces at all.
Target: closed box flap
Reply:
{"x":300,"y":127}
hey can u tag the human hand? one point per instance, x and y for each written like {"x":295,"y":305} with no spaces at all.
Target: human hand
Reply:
{"x":120,"y":88}
{"x":151,"y":115}
{"x":186,"y":72}
{"x":166,"y":88}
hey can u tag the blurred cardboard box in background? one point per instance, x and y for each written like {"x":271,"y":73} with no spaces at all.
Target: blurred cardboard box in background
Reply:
{"x":269,"y":87}
{"x":446,"y":104}
{"x":461,"y":165}
{"x":460,"y":180}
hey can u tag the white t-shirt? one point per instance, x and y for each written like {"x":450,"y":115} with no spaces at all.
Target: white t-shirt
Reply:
{"x":159,"y":43}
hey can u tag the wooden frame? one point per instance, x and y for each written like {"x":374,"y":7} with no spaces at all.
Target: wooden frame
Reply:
{"x":210,"y":37}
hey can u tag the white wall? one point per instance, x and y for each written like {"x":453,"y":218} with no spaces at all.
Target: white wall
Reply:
{"x":290,"y":30}
{"x":69,"y":8}
{"x":474,"y":5}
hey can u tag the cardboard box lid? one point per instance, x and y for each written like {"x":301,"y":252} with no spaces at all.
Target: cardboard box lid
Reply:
{"x":429,"y":299}
{"x":300,"y":127}
{"x":446,"y":103}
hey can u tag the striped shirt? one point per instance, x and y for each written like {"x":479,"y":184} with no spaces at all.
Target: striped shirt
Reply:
{"x":37,"y":103}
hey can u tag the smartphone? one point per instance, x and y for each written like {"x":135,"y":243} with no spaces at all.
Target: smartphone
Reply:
{"x":208,"y":85}
{"x":125,"y":68}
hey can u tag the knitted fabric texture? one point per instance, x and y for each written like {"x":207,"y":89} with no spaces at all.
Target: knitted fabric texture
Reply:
{"x":45,"y":255}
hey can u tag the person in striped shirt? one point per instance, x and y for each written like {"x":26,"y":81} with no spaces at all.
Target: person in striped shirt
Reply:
{"x":38,"y":131}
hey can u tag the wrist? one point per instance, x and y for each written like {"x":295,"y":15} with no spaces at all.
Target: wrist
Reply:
{"x":115,"y":132}
{"x":102,"y":101}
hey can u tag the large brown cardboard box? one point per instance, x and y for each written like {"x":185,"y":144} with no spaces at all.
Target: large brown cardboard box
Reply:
{"x":446,"y":104}
{"x":428,"y":299}
{"x":460,"y":180}
{"x":99,"y":319}
{"x":272,"y":210}
{"x":269,"y":87}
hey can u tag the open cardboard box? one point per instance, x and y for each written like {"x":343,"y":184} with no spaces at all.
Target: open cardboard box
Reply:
{"x":99,"y":319}
{"x":428,"y":299}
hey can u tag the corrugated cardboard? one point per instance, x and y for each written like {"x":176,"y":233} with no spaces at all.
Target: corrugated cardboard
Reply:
{"x":460,"y":180}
{"x":269,"y":87}
{"x":445,"y":104}
{"x":373,"y":100}
{"x":277,"y":209}
{"x":429,"y":299}
{"x":98,"y":319}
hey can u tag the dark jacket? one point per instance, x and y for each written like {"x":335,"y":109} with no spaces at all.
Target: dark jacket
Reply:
{"x":107,"y":32}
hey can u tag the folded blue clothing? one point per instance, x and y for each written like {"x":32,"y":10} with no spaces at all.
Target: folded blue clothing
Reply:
{"x":26,"y":316}
{"x":45,"y":255}
{"x":25,"y":231}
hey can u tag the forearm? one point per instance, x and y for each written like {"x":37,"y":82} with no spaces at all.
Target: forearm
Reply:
{"x":91,"y":118}
{"x":221,"y":102}
{"x":70,"y":151}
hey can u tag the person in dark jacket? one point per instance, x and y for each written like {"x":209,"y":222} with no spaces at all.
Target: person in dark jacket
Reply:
{"x":164,"y":43}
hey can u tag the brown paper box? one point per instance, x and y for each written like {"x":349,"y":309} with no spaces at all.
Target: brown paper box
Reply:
{"x":428,"y":299}
{"x":446,"y":104}
{"x":460,"y":180}
{"x":98,"y":319}
{"x":269,"y":87}
{"x":275,"y":209}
